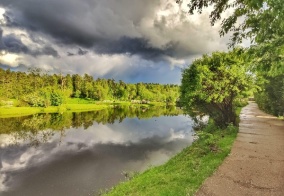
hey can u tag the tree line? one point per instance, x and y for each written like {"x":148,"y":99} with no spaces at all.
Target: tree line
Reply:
{"x":40,"y":89}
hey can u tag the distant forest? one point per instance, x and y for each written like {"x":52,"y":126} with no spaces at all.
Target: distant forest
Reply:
{"x":40,"y":89}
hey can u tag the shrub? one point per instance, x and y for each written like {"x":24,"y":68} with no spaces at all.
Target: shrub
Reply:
{"x":34,"y":99}
{"x":56,"y":99}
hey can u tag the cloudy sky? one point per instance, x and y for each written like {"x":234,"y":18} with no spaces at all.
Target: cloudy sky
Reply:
{"x":131,"y":40}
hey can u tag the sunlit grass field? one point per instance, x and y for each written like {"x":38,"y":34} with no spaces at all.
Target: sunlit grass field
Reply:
{"x":70,"y":104}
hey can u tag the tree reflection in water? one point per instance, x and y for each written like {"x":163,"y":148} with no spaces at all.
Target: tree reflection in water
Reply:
{"x":39,"y":128}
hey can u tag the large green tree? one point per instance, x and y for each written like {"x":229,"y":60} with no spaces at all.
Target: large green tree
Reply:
{"x":262,"y":22}
{"x":211,"y":85}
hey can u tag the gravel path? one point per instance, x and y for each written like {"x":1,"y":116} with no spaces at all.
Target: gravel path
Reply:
{"x":256,"y":163}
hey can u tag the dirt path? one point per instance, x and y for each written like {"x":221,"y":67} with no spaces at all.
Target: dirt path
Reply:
{"x":256,"y":163}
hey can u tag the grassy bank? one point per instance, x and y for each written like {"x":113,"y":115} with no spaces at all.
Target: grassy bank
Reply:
{"x":184,"y":173}
{"x":73,"y":105}
{"x":18,"y":111}
{"x":23,"y":111}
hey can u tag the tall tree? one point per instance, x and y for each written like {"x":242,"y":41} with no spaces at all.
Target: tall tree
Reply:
{"x":212,"y":83}
{"x":262,"y":22}
{"x":77,"y":85}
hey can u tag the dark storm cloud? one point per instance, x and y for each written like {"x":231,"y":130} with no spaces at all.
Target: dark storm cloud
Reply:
{"x":80,"y":52}
{"x":12,"y":44}
{"x":66,"y":19}
{"x":2,"y":46}
{"x":9,"y":22}
{"x":107,"y":27}
{"x":127,"y":45}
{"x":6,"y":19}
{"x":70,"y":54}
{"x":48,"y":50}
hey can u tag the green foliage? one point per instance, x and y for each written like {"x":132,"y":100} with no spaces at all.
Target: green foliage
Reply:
{"x":77,"y":94}
{"x":171,"y":99}
{"x":34,"y":99}
{"x":271,"y":97}
{"x":262,"y":22}
{"x":208,"y":138}
{"x":44,"y":98}
{"x":56,"y":99}
{"x":211,"y":85}
{"x":268,"y":58}
{"x":261,"y":19}
{"x":36,"y":84}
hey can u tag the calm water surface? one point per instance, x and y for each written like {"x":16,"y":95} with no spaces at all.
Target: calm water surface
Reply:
{"x":83,"y":153}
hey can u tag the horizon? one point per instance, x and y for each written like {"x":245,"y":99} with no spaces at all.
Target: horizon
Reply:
{"x":65,"y":74}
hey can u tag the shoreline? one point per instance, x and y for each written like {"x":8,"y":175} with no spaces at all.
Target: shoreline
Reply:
{"x":184,"y":173}
{"x":7,"y":112}
{"x":12,"y":111}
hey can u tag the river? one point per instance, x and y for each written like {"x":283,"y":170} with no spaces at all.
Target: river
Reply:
{"x":85,"y":153}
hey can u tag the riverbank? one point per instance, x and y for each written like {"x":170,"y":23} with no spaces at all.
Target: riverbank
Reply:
{"x":6,"y":112}
{"x":256,"y":163}
{"x":184,"y":173}
{"x":72,"y":105}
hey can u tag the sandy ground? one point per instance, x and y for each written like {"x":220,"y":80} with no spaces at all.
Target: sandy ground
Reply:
{"x":256,"y":163}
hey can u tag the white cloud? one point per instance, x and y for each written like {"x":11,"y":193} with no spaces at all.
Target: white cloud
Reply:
{"x":2,"y":12}
{"x":9,"y":59}
{"x":191,"y":33}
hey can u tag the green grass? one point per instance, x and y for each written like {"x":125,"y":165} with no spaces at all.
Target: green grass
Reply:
{"x":184,"y":173}
{"x":79,"y":101}
{"x":6,"y":112}
{"x":114,"y":103}
{"x":157,"y":103}
{"x":71,"y":104}
{"x":83,"y":107}
{"x":15,"y":111}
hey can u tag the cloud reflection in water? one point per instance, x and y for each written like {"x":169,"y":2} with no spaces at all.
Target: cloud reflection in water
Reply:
{"x":85,"y":161}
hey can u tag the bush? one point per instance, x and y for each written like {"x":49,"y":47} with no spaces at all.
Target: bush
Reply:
{"x":271,"y":98}
{"x":56,"y":99}
{"x":34,"y":99}
{"x":213,"y":84}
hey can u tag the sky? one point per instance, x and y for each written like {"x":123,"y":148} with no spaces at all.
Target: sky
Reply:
{"x":129,"y":40}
